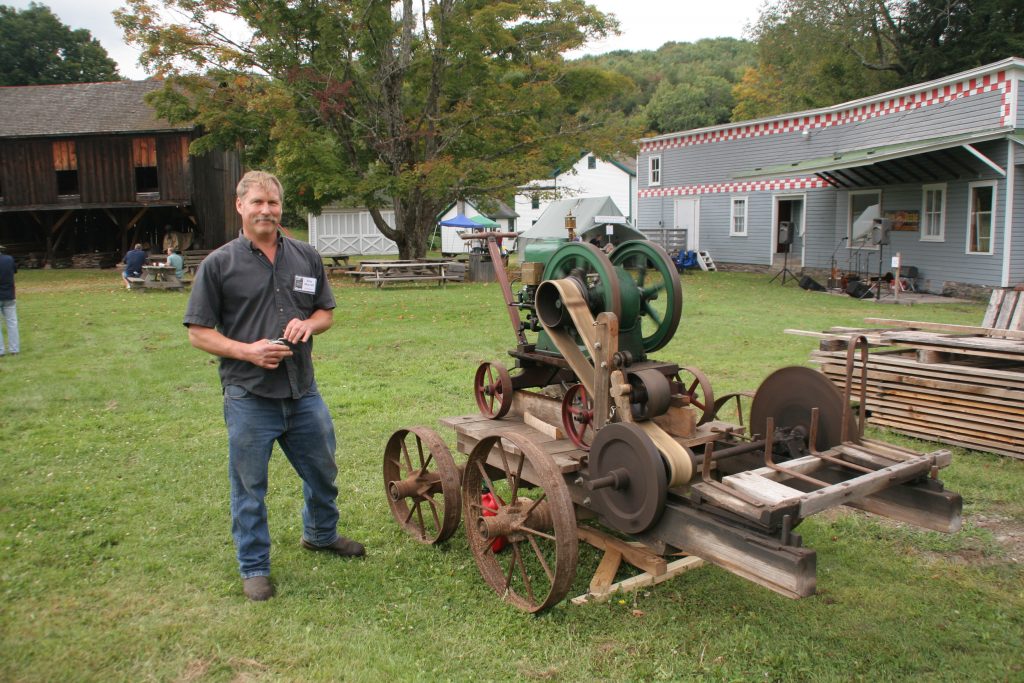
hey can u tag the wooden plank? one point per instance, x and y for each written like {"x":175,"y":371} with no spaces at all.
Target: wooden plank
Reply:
{"x":543,"y":427}
{"x":995,"y":302}
{"x":763,"y":489}
{"x":675,"y":568}
{"x":1017,"y":319}
{"x":636,"y":555}
{"x":944,"y":327}
{"x":1006,"y":310}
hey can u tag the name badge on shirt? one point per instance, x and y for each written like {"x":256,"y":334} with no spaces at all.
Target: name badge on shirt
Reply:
{"x":306,"y":285}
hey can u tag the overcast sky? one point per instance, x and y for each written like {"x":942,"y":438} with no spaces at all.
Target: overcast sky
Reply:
{"x":646,"y":24}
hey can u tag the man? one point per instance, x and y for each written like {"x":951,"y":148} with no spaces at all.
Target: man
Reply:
{"x":257,"y":302}
{"x":7,"y":303}
{"x":175,"y":260}
{"x":133,"y":262}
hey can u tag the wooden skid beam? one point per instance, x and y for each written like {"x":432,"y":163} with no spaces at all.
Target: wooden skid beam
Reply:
{"x":787,"y":570}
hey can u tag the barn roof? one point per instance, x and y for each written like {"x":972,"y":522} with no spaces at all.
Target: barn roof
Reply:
{"x":80,"y":109}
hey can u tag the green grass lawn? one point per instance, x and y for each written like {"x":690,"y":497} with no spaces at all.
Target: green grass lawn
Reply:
{"x":118,"y":563}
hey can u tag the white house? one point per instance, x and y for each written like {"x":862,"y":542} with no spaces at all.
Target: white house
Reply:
{"x":590,"y":176}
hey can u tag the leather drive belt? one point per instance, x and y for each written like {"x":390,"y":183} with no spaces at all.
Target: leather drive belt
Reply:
{"x":677,"y":458}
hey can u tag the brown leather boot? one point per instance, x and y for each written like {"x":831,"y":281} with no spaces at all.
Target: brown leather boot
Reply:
{"x":258,"y":588}
{"x":343,"y":547}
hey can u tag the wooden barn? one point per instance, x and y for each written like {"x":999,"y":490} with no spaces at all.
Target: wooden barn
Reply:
{"x":88,"y":169}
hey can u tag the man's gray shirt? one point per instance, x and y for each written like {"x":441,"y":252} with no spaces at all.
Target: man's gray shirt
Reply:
{"x":241,"y":294}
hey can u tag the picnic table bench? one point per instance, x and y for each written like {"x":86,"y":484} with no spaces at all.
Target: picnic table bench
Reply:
{"x":157,"y":276}
{"x":423,"y":270}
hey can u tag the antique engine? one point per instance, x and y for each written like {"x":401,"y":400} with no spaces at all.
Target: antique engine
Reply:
{"x":591,"y":432}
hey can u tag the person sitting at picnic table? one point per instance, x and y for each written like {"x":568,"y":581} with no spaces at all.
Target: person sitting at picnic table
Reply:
{"x":174,"y":259}
{"x":133,"y":262}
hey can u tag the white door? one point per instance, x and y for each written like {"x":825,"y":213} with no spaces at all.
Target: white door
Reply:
{"x":687,"y":213}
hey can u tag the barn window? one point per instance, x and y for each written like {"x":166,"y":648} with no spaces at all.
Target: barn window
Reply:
{"x":982,"y":216}
{"x":591,"y":162}
{"x":65,"y":164}
{"x":535,"y":202}
{"x":144,"y":155}
{"x":654,"y":168}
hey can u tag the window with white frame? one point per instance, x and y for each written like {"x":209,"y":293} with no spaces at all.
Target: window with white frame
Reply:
{"x":654,"y":170}
{"x":865,"y":207}
{"x":933,"y":213}
{"x":738,"y":222}
{"x":981,"y":217}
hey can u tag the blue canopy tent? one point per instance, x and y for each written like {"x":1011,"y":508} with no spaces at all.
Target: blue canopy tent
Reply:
{"x":460,"y":221}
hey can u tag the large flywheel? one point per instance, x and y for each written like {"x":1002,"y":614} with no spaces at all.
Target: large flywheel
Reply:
{"x":591,"y":267}
{"x":660,"y":295}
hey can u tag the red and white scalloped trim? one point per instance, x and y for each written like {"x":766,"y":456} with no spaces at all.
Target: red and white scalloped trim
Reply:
{"x":918,"y":100}
{"x":805,"y":183}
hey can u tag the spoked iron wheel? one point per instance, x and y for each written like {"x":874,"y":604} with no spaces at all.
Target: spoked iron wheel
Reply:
{"x":421,"y":483}
{"x":578,"y":416}
{"x":657,"y":281}
{"x":535,"y":515}
{"x":734,"y":407}
{"x":492,"y":387}
{"x":695,"y":385}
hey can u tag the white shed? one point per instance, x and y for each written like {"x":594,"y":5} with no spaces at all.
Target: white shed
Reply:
{"x":346,"y":231}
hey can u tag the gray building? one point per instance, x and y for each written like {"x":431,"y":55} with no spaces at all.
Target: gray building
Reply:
{"x":938,"y":163}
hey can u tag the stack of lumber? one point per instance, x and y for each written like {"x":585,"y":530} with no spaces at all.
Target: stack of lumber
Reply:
{"x":95,"y":259}
{"x":955,"y":384}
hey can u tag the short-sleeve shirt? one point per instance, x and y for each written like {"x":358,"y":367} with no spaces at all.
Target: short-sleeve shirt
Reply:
{"x":240,"y":293}
{"x":178,"y":263}
{"x":133,"y":261}
{"x":8,"y":267}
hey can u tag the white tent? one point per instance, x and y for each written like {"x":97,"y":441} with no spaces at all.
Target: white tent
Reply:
{"x":594,"y":215}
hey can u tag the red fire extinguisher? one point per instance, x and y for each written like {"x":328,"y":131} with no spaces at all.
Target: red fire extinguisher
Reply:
{"x":490,"y":503}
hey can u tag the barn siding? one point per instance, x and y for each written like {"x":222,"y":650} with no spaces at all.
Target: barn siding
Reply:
{"x":106,"y":173}
{"x":173,"y":169}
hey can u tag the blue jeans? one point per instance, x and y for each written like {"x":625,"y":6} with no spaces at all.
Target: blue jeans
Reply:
{"x":304,"y":429}
{"x":10,"y":313}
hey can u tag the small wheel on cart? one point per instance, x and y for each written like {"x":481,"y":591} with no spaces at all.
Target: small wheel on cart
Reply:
{"x":492,"y":388}
{"x":534,"y":514}
{"x":695,"y":385}
{"x":578,"y":416}
{"x":422,"y":484}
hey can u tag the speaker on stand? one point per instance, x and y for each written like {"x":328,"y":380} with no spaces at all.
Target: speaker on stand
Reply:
{"x":785,"y":239}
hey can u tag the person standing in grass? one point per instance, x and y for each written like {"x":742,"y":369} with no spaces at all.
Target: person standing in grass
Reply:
{"x":8,"y":304}
{"x":256,"y":303}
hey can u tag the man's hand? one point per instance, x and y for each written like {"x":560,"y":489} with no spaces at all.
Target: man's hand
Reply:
{"x":298,"y":330}
{"x":266,"y":354}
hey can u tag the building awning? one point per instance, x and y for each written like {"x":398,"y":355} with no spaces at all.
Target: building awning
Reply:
{"x":950,"y":156}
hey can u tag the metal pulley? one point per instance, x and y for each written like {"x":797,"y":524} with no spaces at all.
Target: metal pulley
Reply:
{"x":628,"y":478}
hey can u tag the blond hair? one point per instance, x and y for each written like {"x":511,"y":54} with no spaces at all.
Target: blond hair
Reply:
{"x":261,"y":178}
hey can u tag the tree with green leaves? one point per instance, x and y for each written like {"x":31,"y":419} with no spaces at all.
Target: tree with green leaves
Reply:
{"x":37,"y":49}
{"x":383,"y":103}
